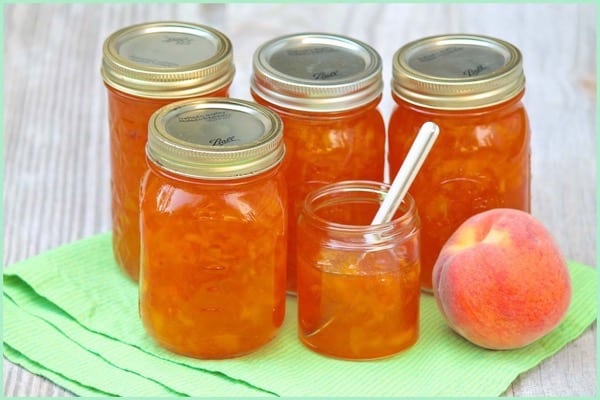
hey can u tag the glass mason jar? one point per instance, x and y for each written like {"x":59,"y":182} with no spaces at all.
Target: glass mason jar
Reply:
{"x":145,"y":67}
{"x":471,"y":86}
{"x":213,"y":228}
{"x":358,"y":284}
{"x":326,"y":88}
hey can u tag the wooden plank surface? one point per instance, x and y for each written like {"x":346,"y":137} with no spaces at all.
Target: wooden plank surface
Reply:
{"x":56,"y":171}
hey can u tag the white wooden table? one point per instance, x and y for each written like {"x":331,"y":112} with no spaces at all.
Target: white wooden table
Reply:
{"x":56,"y":158}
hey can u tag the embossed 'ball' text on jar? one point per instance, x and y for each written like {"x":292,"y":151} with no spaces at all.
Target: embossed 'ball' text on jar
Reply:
{"x":472,"y":87}
{"x":213,"y":228}
{"x":327,"y":89}
{"x":145,"y":67}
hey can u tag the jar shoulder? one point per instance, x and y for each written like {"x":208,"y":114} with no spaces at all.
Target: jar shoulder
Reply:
{"x":486,"y":127}
{"x":249,"y":199}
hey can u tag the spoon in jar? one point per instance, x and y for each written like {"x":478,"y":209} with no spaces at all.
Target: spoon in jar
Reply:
{"x":405,"y":176}
{"x":419,"y":150}
{"x":408,"y":171}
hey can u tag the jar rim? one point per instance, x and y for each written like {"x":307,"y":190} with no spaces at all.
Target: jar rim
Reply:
{"x":405,"y":224}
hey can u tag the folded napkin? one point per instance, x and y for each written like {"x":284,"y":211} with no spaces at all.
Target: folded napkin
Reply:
{"x":70,"y":315}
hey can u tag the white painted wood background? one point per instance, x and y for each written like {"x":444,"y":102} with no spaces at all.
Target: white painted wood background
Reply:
{"x":56,"y":171}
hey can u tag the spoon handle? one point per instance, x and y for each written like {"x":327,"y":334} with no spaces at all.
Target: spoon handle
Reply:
{"x":409,"y":169}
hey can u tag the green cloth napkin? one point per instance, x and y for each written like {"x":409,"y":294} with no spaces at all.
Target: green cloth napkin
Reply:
{"x":71,"y":315}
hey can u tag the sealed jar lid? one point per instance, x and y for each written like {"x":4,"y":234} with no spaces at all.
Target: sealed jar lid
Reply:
{"x":167,"y":60}
{"x":215,"y":138}
{"x":317,"y":72}
{"x":457,"y":72}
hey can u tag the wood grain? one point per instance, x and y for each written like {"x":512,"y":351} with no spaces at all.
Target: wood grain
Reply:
{"x":56,"y":172}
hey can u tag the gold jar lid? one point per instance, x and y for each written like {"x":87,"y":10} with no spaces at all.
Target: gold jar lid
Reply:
{"x":457,"y":72}
{"x":215,"y":138}
{"x":317,"y":72}
{"x":167,"y":60}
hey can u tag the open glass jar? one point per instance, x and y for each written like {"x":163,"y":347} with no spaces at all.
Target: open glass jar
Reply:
{"x":358,"y":284}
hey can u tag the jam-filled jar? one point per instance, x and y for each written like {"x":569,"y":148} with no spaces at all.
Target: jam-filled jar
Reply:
{"x":358,"y":284}
{"x":213,"y":228}
{"x":145,"y":67}
{"x":472,"y":87}
{"x":327,"y":89}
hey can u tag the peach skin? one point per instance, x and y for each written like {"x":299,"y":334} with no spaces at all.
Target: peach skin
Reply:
{"x":500,"y":280}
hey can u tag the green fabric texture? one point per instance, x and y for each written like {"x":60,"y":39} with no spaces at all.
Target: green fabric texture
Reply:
{"x":71,"y":315}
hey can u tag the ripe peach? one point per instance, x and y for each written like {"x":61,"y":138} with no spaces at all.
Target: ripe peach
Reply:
{"x":500,"y":280}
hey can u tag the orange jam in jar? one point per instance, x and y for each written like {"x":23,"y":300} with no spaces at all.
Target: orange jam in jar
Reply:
{"x":326,"y":88}
{"x":471,"y":86}
{"x":213,"y":228}
{"x":145,"y":67}
{"x":358,"y":284}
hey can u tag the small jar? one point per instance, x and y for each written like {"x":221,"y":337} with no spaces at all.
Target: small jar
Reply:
{"x":471,"y":87}
{"x":145,"y":67}
{"x":213,"y":228}
{"x":358,"y":284}
{"x":326,"y":88}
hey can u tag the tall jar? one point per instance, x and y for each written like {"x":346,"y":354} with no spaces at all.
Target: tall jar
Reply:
{"x":358,"y":284}
{"x":145,"y":67}
{"x":472,"y":87}
{"x":213,"y":228}
{"x":326,"y":88}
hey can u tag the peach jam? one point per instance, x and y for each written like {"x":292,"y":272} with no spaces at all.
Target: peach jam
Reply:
{"x":326,"y":88}
{"x":471,"y":86}
{"x":358,"y":284}
{"x":145,"y":67}
{"x":213,"y":228}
